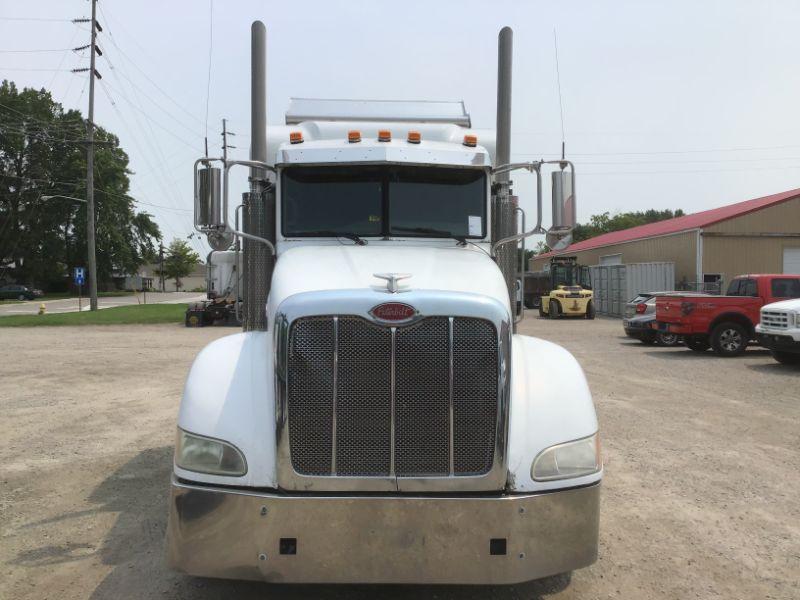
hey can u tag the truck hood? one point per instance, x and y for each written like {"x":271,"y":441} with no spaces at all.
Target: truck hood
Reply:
{"x":792,"y":304}
{"x":452,"y":269}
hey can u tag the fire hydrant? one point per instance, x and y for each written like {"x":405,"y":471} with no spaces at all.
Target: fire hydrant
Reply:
{"x":42,"y":309}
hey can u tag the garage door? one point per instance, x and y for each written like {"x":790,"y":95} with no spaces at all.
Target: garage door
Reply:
{"x":791,"y":261}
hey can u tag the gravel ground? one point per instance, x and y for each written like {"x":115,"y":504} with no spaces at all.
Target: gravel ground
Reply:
{"x":700,"y":500}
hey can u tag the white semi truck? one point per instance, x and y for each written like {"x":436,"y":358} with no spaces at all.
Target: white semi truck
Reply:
{"x":379,"y":420}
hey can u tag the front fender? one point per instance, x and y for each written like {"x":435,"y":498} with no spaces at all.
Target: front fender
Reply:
{"x":229,"y":395}
{"x":550,"y":404}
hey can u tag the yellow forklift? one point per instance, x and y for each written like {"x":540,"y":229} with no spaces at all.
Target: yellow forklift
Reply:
{"x":570,"y":290}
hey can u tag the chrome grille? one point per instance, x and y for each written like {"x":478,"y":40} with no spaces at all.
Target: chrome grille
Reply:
{"x":311,"y":384}
{"x":422,"y":398}
{"x":775,"y":319}
{"x":370,"y":401}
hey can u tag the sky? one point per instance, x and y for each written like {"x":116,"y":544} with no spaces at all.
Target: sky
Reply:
{"x":672,"y":104}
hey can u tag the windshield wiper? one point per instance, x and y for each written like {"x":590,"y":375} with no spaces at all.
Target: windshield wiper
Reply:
{"x":461,"y":239}
{"x":329,"y":233}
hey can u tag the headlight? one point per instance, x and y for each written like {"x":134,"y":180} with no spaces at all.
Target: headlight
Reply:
{"x":572,"y":459}
{"x":793,"y":320}
{"x":206,"y":455}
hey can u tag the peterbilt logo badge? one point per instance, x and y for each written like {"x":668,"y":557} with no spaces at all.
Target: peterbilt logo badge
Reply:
{"x":393,"y":312}
{"x":392,"y":280}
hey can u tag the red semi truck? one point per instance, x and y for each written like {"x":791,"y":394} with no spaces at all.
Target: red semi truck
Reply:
{"x":724,"y":323}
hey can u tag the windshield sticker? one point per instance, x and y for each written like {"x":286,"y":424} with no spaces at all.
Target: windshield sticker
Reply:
{"x":475,"y":225}
{"x":374,"y":218}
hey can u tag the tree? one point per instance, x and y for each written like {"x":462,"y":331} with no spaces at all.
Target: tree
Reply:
{"x":41,"y":154}
{"x":605,"y":223}
{"x":179,"y":261}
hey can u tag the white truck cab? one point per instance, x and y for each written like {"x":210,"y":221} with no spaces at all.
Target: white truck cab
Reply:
{"x":779,"y":330}
{"x":379,"y":420}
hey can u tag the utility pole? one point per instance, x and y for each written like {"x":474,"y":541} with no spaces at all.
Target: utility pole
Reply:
{"x":225,"y":145}
{"x":90,"y":225}
{"x":161,"y":264}
{"x":90,"y":213}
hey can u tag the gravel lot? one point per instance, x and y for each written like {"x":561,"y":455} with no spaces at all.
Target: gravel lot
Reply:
{"x":701,"y":496}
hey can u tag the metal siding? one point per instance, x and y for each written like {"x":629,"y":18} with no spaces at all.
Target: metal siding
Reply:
{"x":680,"y":249}
{"x":781,"y":218}
{"x":649,"y":277}
{"x":734,"y":255}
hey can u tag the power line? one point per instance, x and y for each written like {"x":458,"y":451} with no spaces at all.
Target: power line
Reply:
{"x":48,"y":50}
{"x":144,"y":73}
{"x":667,"y":152}
{"x":28,"y":69}
{"x":560,"y":101}
{"x":210,"y":52}
{"x":34,"y":19}
{"x":150,"y":98}
{"x":149,"y":118}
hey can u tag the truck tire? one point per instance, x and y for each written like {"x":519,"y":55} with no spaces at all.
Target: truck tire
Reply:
{"x":667,"y":339}
{"x":786,"y":358}
{"x":555,"y":309}
{"x":590,"y":312}
{"x":729,"y":339}
{"x":697,"y":343}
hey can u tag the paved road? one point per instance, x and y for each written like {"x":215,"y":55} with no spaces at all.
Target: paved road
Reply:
{"x":71,"y":304}
{"x":701,"y":497}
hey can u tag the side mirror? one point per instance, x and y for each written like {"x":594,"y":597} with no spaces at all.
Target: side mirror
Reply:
{"x":208,"y":200}
{"x":563,"y":200}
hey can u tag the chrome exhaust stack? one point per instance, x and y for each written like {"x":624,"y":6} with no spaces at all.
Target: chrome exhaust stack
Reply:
{"x":259,"y":203}
{"x":504,"y":203}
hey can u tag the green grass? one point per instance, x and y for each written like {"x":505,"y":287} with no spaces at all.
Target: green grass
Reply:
{"x":138,"y":314}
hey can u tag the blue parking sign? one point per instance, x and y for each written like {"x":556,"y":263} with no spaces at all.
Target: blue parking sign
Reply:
{"x":79,"y":275}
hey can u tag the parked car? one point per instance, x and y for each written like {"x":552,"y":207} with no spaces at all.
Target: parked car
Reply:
{"x":779,"y":330}
{"x":639,"y":315}
{"x":18,"y":292}
{"x":725,"y":323}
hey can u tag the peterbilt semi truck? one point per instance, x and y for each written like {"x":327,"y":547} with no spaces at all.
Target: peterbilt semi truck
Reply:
{"x":379,"y":419}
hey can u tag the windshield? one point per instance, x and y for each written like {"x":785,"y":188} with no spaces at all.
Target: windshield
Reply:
{"x":383,"y":200}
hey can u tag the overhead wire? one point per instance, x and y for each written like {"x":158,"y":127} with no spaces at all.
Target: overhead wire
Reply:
{"x":210,"y":53}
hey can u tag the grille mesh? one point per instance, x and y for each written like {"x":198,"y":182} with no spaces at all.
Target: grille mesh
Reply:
{"x":422,"y":399}
{"x":474,"y":395}
{"x":363,"y":402}
{"x":310,"y":395}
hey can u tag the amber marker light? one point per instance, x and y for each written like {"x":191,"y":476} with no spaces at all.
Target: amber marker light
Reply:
{"x":384,"y":135}
{"x":414,"y":137}
{"x":471,"y":140}
{"x":354,"y":136}
{"x":296,"y":137}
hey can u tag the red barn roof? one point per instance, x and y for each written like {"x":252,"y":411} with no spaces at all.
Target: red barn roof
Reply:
{"x":679,"y":224}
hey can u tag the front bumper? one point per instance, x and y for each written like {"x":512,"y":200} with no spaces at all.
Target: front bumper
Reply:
{"x":783,"y":343}
{"x":235,"y":534}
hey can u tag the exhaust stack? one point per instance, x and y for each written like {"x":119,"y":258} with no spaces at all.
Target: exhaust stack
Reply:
{"x":504,"y":204}
{"x":259,"y":203}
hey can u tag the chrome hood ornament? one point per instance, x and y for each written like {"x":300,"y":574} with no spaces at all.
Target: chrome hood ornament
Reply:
{"x":392,"y":280}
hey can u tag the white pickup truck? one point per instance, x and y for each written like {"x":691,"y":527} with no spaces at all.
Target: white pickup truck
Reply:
{"x":779,"y":330}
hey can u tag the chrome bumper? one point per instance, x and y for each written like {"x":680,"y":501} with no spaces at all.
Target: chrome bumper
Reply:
{"x":217,"y":532}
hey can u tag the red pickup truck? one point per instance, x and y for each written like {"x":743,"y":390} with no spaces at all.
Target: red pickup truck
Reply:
{"x":724,"y":323}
